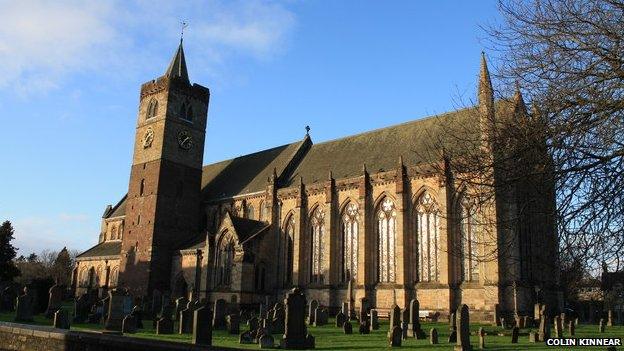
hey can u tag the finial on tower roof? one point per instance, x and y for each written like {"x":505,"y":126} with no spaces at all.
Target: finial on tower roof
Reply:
{"x":307,"y":129}
{"x":485,"y":83}
{"x":177,"y":66}
{"x":183,"y":24}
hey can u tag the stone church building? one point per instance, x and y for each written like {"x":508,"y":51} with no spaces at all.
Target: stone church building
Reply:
{"x":368,"y":208}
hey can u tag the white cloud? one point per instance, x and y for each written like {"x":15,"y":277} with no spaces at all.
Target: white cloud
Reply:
{"x":43,"y":42}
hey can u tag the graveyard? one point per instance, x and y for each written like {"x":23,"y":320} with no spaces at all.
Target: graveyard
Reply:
{"x":328,"y":336}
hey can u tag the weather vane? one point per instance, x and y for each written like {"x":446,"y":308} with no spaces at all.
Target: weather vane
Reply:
{"x":183,"y":24}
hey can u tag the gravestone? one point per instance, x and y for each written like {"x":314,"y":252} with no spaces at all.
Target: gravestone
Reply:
{"x":266,"y":341}
{"x":128,"y":325}
{"x":55,"y":300}
{"x":115,"y":313}
{"x":81,"y":309}
{"x":364,"y":306}
{"x":180,"y":304}
{"x":537,"y":311}
{"x":340,"y":319}
{"x":345,"y":308}
{"x":311,"y":310}
{"x":452,"y":336}
{"x":246,"y":338}
{"x":481,"y":334}
{"x":601,"y":326}
{"x":61,"y":319}
{"x":185,"y":319}
{"x":571,"y":328}
{"x":218,"y":321}
{"x":395,"y":336}
{"x":267,"y":325}
{"x":164,"y":325}
{"x":278,"y":318}
{"x":365,"y":327}
{"x":463,"y":329}
{"x":253,"y":323}
{"x":233,"y":323}
{"x":558,"y":327}
{"x":295,"y":332}
{"x":610,"y":318}
{"x":374,"y":320}
{"x":533,"y":336}
{"x":137,"y":313}
{"x":24,"y":307}
{"x":413,"y":327}
{"x":520,"y":322}
{"x":503,"y":322}
{"x":405,"y":315}
{"x":395,"y":317}
{"x":515,"y":332}
{"x":433,"y":336}
{"x":320,"y":317}
{"x":452,"y":321}
{"x":347,"y":327}
{"x":544,"y":328}
{"x":564,"y":318}
{"x":202,"y":326}
{"x":404,"y":330}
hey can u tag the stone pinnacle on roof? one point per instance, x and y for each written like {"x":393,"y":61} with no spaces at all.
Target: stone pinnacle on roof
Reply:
{"x":177,"y":67}
{"x":518,"y":103}
{"x":486,"y":92}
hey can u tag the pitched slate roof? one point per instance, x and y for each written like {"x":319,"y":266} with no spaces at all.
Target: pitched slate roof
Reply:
{"x":177,"y":66}
{"x":106,"y":248}
{"x":247,"y":228}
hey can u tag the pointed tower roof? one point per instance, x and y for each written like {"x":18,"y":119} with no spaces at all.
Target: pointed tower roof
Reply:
{"x":518,"y":103}
{"x":486,"y":92}
{"x":177,"y":67}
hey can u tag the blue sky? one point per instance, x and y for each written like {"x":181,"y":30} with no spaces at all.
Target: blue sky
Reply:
{"x":71,"y":72}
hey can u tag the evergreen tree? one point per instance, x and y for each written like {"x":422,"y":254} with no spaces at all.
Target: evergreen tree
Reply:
{"x":8,"y":271}
{"x":62,"y":268}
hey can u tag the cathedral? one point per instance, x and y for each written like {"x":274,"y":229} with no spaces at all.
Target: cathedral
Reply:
{"x":365,"y":215}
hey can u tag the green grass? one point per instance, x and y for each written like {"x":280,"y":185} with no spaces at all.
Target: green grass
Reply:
{"x":329,"y":337}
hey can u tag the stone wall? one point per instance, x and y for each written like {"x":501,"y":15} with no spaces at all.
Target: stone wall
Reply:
{"x":40,"y":338}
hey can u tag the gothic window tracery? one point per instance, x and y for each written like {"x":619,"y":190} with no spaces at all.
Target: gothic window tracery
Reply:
{"x":264,"y":211}
{"x":317,"y":228}
{"x":468,"y":232}
{"x":428,"y":238}
{"x":225,"y":260}
{"x":350,"y":231}
{"x":290,"y":235}
{"x":152,"y":109}
{"x":249,"y":211}
{"x":386,"y":240}
{"x":113,"y":277}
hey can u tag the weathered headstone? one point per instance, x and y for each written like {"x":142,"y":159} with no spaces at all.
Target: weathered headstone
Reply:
{"x":202,"y":326}
{"x":544,"y":328}
{"x":364,"y":307}
{"x":295,"y":331}
{"x":571,"y":328}
{"x":115,"y":313}
{"x":481,"y":333}
{"x":185,"y":320}
{"x":61,"y":319}
{"x":164,"y":325}
{"x":253,"y":323}
{"x":395,"y":336}
{"x":246,"y":337}
{"x":55,"y":300}
{"x":413,"y":326}
{"x":266,"y":341}
{"x":365,"y":327}
{"x":345,"y":308}
{"x":463,"y":329}
{"x":558,"y":327}
{"x":520,"y":322}
{"x":180,"y":304}
{"x":128,"y":325}
{"x":340,"y":319}
{"x":320,"y":316}
{"x":452,"y":321}
{"x":311,"y":310}
{"x":218,"y":321}
{"x":395,"y":317}
{"x":533,"y":336}
{"x":503,"y":322}
{"x":433,"y":336}
{"x":374,"y":320}
{"x":24,"y":307}
{"x":515,"y":332}
{"x":609,"y":318}
{"x":601,"y":325}
{"x":278,"y":318}
{"x":347,"y":327}
{"x":452,"y":336}
{"x":137,"y":313}
{"x":233,"y":323}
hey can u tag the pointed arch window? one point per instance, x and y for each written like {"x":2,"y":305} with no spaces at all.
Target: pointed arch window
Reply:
{"x":317,"y":229}
{"x":249,"y":211}
{"x":113,"y":277}
{"x":152,"y":109}
{"x":386,"y":241}
{"x":264,"y":211}
{"x":225,"y":260}
{"x":469,"y":240}
{"x":428,"y":238}
{"x":350,"y":231}
{"x":290,"y":235}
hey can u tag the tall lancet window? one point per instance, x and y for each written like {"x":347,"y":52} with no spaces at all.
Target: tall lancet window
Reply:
{"x":152,"y":109}
{"x":290,"y":237}
{"x":469,"y":249}
{"x":317,"y":228}
{"x":350,"y":242}
{"x":386,"y":238}
{"x":224,"y":260}
{"x":428,"y":238}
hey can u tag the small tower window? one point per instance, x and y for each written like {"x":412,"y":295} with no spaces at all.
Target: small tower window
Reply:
{"x":142,"y":187}
{"x":152,"y":109}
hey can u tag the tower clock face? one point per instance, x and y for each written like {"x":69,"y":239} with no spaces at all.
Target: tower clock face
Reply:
{"x":185,"y":140}
{"x":148,"y":138}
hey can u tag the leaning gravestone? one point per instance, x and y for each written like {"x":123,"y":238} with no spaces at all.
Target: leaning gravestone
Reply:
{"x":374,"y":320}
{"x":24,"y":307}
{"x":202,"y":326}
{"x":164,"y":325}
{"x":311,"y":310}
{"x":233,"y":323}
{"x":218,"y":321}
{"x":115,"y":313}
{"x":515,"y":332}
{"x":295,"y":331}
{"x":347,"y":327}
{"x":128,"y":325}
{"x":433,"y":336}
{"x":55,"y":300}
{"x":395,"y":317}
{"x":463,"y":329}
{"x":558,"y":327}
{"x":180,"y":304}
{"x":395,"y":336}
{"x":481,"y":334}
{"x":413,"y":327}
{"x":61,"y":319}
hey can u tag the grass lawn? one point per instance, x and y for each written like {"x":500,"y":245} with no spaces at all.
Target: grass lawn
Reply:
{"x":329,"y":337}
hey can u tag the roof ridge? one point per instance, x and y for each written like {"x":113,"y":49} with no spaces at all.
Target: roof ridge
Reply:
{"x":250,"y":154}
